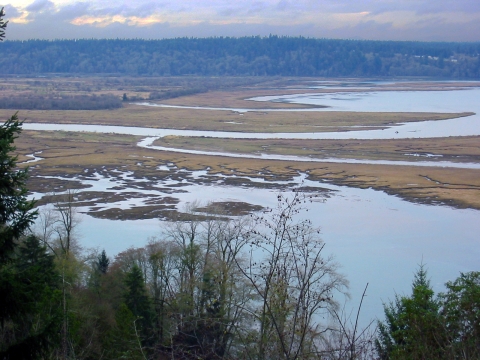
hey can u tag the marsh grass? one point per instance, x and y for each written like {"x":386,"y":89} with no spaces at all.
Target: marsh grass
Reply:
{"x":456,"y":149}
{"x":71,"y":154}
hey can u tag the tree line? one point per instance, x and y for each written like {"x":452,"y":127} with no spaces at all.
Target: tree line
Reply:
{"x":211,"y":287}
{"x":61,"y":102}
{"x":244,"y":56}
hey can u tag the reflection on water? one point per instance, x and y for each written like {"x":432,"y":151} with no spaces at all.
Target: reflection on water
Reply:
{"x":430,"y":128}
{"x":388,"y":101}
{"x":147,"y":143}
{"x":453,"y":101}
{"x":378,"y":238}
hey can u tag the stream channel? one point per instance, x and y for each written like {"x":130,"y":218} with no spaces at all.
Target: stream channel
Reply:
{"x":376,"y":238}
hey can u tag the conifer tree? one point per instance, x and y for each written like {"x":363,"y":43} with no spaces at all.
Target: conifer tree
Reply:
{"x":138,"y":301}
{"x":28,"y":281}
{"x":3,"y":24}
{"x":30,"y":303}
{"x":21,"y":288}
{"x":413,"y":326}
{"x":103,"y":262}
{"x":461,"y":311}
{"x":15,"y":210}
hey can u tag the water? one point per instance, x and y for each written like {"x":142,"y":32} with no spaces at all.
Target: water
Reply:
{"x":376,"y":237}
{"x":426,"y":129}
{"x":147,"y":143}
{"x":442,"y":101}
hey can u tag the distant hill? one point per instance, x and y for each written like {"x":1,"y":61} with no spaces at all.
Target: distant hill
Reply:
{"x":246,"y":56}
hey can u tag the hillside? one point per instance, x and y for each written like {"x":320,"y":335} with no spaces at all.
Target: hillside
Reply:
{"x":246,"y":56}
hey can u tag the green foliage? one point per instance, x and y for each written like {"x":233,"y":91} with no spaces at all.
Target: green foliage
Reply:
{"x":30,"y":303}
{"x":103,"y":262}
{"x":28,"y":282}
{"x":461,"y":310}
{"x":245,"y":56}
{"x":423,"y":327}
{"x":98,"y":271}
{"x":138,"y":301}
{"x":126,"y":343}
{"x":412,"y":329}
{"x":15,"y":211}
{"x":3,"y":24}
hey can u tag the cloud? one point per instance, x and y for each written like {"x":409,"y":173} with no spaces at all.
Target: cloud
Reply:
{"x":72,"y":11}
{"x":11,"y":11}
{"x":40,"y":5}
{"x":423,"y":7}
{"x":290,"y":5}
{"x":438,"y":20}
{"x":148,"y":9}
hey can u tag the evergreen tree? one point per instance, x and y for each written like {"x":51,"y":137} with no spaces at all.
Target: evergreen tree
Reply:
{"x":30,"y":305}
{"x":138,"y":301}
{"x":15,"y":211}
{"x":125,"y":343}
{"x":98,"y":270}
{"x":26,"y":272}
{"x":413,"y":327}
{"x":103,"y":262}
{"x":461,"y":310}
{"x":3,"y":24}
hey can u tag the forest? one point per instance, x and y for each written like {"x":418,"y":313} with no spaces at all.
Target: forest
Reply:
{"x":211,"y":287}
{"x":63,"y":102}
{"x":244,"y":56}
{"x":255,"y":287}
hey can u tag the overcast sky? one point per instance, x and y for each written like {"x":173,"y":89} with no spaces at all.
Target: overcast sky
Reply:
{"x":424,"y":20}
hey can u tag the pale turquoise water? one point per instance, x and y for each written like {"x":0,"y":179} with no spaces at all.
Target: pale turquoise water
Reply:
{"x":378,"y":238}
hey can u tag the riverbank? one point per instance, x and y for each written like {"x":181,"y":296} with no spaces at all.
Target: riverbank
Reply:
{"x":80,"y":155}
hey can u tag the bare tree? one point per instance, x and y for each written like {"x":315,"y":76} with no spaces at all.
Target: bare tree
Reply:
{"x":294,"y":285}
{"x":57,"y":223}
{"x":68,"y":220}
{"x":346,"y":340}
{"x":211,"y":292}
{"x":45,"y":225}
{"x":162,"y":260}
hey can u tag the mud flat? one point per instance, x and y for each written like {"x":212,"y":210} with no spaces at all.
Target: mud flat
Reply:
{"x":75,"y":157}
{"x":455,"y":149}
{"x":360,"y":207}
{"x":218,"y":120}
{"x":69,"y":158}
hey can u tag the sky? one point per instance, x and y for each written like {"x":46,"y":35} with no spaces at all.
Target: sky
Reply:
{"x":419,"y":20}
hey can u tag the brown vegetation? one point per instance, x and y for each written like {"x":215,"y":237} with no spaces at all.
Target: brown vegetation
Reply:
{"x":213,"y":120}
{"x":457,"y":149}
{"x":70,"y":154}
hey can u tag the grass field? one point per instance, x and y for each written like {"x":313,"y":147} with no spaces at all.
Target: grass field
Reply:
{"x":170,"y":118}
{"x":74,"y":154}
{"x":456,"y":149}
{"x":71,"y":154}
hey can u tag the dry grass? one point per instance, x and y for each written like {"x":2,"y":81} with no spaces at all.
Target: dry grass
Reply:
{"x":212,"y":120}
{"x":460,"y":149}
{"x":70,"y":154}
{"x":238,"y":98}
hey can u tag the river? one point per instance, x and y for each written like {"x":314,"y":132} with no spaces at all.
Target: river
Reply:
{"x":377,"y":238}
